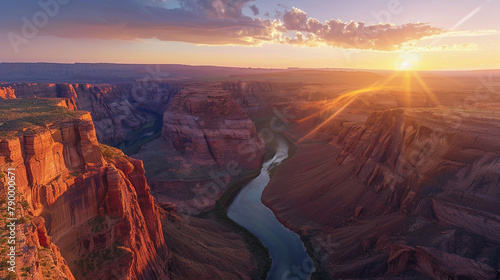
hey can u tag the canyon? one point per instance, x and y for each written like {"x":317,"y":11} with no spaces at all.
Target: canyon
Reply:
{"x":409,"y":191}
{"x":206,"y":136}
{"x":382,"y":181}
{"x":397,"y":195}
{"x":86,"y":210}
{"x":91,"y":200}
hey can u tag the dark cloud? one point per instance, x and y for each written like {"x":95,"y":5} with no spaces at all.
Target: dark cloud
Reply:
{"x":277,"y":13}
{"x":215,"y":8}
{"x":255,"y":10}
{"x":216,"y":22}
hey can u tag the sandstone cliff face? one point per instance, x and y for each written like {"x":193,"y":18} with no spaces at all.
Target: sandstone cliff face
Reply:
{"x":209,"y":127}
{"x":437,"y":264}
{"x":207,"y":142}
{"x":258,"y":98}
{"x":405,"y":172}
{"x":117,"y":110}
{"x":36,"y":256}
{"x":445,"y":157}
{"x":97,"y":210}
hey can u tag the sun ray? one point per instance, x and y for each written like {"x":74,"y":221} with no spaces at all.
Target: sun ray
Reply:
{"x":327,"y":120}
{"x":427,"y":90}
{"x":407,"y":78}
{"x":353,"y":95}
{"x":307,"y":118}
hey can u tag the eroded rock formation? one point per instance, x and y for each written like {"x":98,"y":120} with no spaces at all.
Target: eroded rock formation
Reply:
{"x":117,"y":110}
{"x":207,"y":141}
{"x":91,"y":202}
{"x":413,"y":172}
{"x":209,"y":127}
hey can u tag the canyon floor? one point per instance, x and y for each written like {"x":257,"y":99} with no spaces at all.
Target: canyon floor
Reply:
{"x":392,"y":175}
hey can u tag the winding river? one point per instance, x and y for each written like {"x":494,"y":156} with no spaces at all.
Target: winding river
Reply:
{"x":289,"y":258}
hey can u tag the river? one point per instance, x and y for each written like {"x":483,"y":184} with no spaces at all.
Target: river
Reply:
{"x":289,"y":258}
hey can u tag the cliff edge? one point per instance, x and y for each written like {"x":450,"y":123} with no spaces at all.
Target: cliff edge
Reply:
{"x":87,"y":207}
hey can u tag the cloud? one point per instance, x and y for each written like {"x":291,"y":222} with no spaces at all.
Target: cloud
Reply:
{"x":215,"y":8}
{"x":356,"y":35}
{"x":441,"y":48}
{"x":212,"y":22}
{"x":255,"y":10}
{"x":215,"y":22}
{"x":469,"y":33}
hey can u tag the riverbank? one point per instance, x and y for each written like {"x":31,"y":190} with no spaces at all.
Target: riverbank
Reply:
{"x":254,"y":245}
{"x":285,"y":247}
{"x":320,"y":272}
{"x":314,"y":253}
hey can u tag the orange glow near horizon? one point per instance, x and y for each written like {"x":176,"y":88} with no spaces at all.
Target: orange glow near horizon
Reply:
{"x":427,"y":90}
{"x":340,"y":103}
{"x":343,"y":101}
{"x":265,"y":56}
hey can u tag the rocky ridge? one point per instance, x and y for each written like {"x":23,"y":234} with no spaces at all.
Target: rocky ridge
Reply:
{"x":394,"y":190}
{"x":207,"y":141}
{"x":92,"y":203}
{"x":117,"y":110}
{"x":209,"y":127}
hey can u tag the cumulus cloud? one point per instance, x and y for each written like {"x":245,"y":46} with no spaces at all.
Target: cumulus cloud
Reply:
{"x":215,"y":22}
{"x":382,"y":36}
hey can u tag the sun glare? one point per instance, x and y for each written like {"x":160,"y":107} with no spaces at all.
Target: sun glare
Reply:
{"x":407,"y":62}
{"x":405,"y":65}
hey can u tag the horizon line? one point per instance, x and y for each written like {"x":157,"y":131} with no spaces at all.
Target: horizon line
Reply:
{"x":253,"y":67}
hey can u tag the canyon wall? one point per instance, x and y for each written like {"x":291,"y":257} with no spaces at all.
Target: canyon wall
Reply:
{"x":207,"y":141}
{"x":209,"y":127}
{"x":433,"y":156}
{"x":91,"y":202}
{"x":219,"y":131}
{"x":408,"y":190}
{"x":117,"y":110}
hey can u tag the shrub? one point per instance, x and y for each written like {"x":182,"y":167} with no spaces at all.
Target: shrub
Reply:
{"x":110,"y":152}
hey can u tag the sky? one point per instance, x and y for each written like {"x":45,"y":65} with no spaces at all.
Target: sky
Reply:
{"x":364,"y":34}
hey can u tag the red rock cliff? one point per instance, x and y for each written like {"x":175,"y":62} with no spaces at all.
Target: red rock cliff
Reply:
{"x":97,"y":209}
{"x":438,"y":166}
{"x":209,"y":127}
{"x":116,"y":109}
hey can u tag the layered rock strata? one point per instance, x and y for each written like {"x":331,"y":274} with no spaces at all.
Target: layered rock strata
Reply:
{"x":207,"y":142}
{"x":94,"y":201}
{"x":117,"y":110}
{"x":404,"y":172}
{"x":209,"y":127}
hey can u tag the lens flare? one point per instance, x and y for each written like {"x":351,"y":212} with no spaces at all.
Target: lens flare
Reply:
{"x":405,"y":65}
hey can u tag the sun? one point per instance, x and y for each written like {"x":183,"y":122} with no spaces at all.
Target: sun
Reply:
{"x":407,"y":62}
{"x":405,"y":66}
